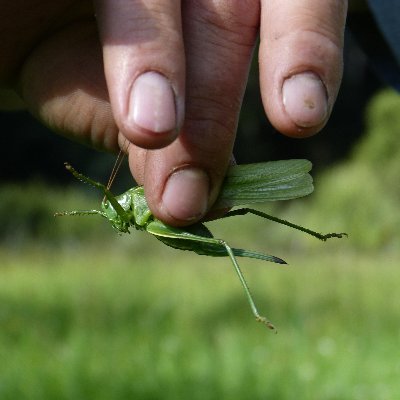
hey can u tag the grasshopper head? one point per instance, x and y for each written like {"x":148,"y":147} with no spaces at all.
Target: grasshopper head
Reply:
{"x":112,"y":215}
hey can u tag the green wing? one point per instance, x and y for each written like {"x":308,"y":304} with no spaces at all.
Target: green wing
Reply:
{"x":269,"y":181}
{"x":199,"y":239}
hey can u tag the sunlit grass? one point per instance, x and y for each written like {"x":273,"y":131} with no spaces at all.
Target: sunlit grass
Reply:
{"x":104,"y":322}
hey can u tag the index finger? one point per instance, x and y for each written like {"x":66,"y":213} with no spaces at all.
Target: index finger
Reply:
{"x":144,"y":67}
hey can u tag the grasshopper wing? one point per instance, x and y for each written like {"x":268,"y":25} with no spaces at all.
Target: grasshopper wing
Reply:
{"x":199,"y":239}
{"x":269,"y":181}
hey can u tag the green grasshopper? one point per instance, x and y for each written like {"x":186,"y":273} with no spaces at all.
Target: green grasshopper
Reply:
{"x":243,"y":184}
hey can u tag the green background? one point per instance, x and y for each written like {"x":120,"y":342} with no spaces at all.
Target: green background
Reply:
{"x":88,"y":314}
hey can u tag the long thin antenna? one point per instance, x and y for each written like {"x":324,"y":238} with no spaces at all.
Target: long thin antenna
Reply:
{"x":117,"y":165}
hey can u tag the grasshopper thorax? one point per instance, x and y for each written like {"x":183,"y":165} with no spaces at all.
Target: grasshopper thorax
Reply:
{"x":118,"y":221}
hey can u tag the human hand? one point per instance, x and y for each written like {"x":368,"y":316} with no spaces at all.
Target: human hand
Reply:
{"x":161,"y":57}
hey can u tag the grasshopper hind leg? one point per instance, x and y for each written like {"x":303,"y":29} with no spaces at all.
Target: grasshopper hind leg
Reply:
{"x":259,"y":318}
{"x":174,"y":238}
{"x":320,"y":236}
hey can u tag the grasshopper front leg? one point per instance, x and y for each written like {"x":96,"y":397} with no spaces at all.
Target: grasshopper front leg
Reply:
{"x":81,"y":212}
{"x":110,"y":197}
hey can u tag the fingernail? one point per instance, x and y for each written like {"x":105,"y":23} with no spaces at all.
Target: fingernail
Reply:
{"x":185,"y":195}
{"x":305,"y":99}
{"x":152,"y":103}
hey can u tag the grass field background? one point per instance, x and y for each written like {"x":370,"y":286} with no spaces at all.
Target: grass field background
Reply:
{"x":86,"y":314}
{"x":105,"y":324}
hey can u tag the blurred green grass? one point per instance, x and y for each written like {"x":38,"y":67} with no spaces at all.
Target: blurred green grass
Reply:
{"x":85,"y":313}
{"x":105,"y":324}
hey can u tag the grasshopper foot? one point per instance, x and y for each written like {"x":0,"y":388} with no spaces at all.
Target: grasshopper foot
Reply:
{"x":333,"y":235}
{"x":266,"y":322}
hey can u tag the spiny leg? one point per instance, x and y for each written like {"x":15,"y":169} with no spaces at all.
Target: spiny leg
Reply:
{"x":244,"y":211}
{"x":83,"y":212}
{"x":83,"y":178}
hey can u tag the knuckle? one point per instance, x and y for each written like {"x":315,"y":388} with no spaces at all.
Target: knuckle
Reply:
{"x":238,"y":20}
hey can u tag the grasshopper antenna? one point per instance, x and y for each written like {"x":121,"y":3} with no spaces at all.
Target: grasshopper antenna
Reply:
{"x":118,"y":162}
{"x":116,"y":167}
